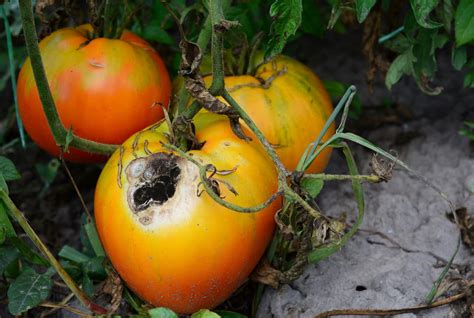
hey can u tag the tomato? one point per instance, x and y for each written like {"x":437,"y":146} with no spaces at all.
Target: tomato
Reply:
{"x":104,"y":89}
{"x":287,"y":101}
{"x":170,"y":241}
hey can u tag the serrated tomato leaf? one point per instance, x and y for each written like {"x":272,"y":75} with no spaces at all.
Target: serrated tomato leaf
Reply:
{"x":421,"y":10}
{"x":402,"y":65}
{"x":286,"y":15}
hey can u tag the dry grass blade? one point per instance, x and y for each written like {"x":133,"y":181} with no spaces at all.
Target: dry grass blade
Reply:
{"x":391,"y":312}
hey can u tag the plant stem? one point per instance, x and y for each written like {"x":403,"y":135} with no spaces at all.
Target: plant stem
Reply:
{"x":11,"y":61}
{"x":205,"y":182}
{"x":258,"y":133}
{"x":57,"y":129}
{"x":330,"y":177}
{"x":312,"y":150}
{"x":21,"y":219}
{"x":391,"y":35}
{"x":205,"y":35}
{"x":217,"y":50}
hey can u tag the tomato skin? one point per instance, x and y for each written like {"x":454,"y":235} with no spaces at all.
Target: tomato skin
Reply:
{"x":195,"y":255}
{"x":105,"y":89}
{"x":290,"y":111}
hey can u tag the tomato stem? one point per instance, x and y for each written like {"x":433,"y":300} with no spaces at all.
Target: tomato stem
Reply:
{"x":260,"y":136}
{"x":203,"y":171}
{"x":21,"y":219}
{"x":340,"y":177}
{"x":59,"y":132}
{"x":217,"y":47}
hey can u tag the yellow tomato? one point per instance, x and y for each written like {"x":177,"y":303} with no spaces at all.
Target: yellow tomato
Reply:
{"x":167,"y":238}
{"x":287,"y":101}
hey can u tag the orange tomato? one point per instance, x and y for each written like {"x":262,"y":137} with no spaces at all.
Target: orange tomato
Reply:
{"x":172,"y":243}
{"x":104,"y":89}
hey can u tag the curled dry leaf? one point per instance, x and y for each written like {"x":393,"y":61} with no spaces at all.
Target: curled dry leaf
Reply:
{"x":382,"y":169}
{"x":266,"y":274}
{"x":113,"y":286}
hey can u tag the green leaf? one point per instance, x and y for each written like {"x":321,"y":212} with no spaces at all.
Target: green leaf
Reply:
{"x":28,"y":253}
{"x":205,"y":313}
{"x":95,"y":268}
{"x":468,"y":131}
{"x":398,"y":44}
{"x":3,"y":235}
{"x":313,"y":186}
{"x":321,"y":253}
{"x":72,"y":268}
{"x":87,"y":285}
{"x":133,"y":301}
{"x":287,"y":19}
{"x":28,"y":290}
{"x":229,"y":314}
{"x":421,"y":10}
{"x":469,"y":80}
{"x":447,"y":14}
{"x":72,"y":254}
{"x":93,"y":236}
{"x":48,"y":172}
{"x":162,"y":312}
{"x":363,"y":8}
{"x":402,"y":65}
{"x":464,"y":22}
{"x":5,"y":223}
{"x":154,"y":32}
{"x":431,"y":295}
{"x":458,"y":57}
{"x":8,"y":255}
{"x":367,"y":144}
{"x":312,"y":19}
{"x":424,"y":52}
{"x":337,"y":89}
{"x":8,"y":170}
{"x":3,"y":184}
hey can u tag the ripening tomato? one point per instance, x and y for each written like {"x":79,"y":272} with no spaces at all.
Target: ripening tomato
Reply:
{"x":287,"y":101}
{"x":167,"y":238}
{"x":104,"y":89}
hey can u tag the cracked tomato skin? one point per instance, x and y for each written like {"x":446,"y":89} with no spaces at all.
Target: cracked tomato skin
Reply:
{"x":105,"y":89}
{"x":290,"y":111}
{"x":194,"y":253}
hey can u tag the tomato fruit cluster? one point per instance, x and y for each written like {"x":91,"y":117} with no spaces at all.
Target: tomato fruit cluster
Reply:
{"x":169,"y":240}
